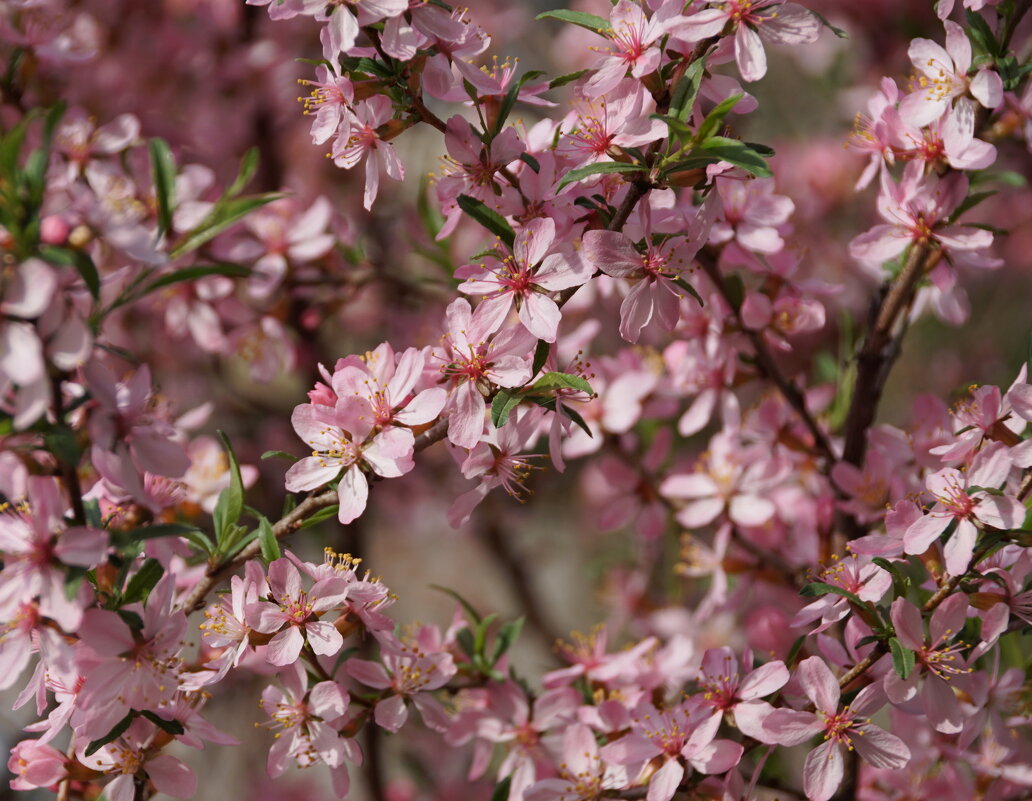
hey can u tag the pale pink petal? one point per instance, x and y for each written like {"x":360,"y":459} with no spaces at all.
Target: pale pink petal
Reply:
{"x":752,"y":61}
{"x":391,"y":713}
{"x":763,"y":681}
{"x":285,"y":647}
{"x":822,"y":771}
{"x":665,"y":781}
{"x":353,"y":492}
{"x":324,"y":638}
{"x":171,"y":776}
{"x":819,"y":684}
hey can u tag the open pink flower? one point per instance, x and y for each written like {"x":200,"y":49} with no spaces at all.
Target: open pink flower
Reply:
{"x":632,"y":35}
{"x":410,"y":674}
{"x":679,"y":738}
{"x":938,"y":659}
{"x":943,"y":76}
{"x":916,"y":211}
{"x":293,"y":614}
{"x":340,"y":441}
{"x":526,"y":277}
{"x":131,"y":754}
{"x":963,"y":498}
{"x":753,"y":21}
{"x":583,"y":775}
{"x":726,"y":691}
{"x":848,"y":726}
{"x":361,"y":140}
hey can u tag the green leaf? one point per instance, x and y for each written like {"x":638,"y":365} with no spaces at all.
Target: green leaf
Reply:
{"x":899,"y":580}
{"x":112,"y":735}
{"x":61,"y":441}
{"x":465,"y":639}
{"x":323,"y":514}
{"x":562,"y":80}
{"x":590,"y":21}
{"x":601,"y":168}
{"x":93,"y":516}
{"x":841,"y":34}
{"x":230,"y":504}
{"x":530,"y":161}
{"x":715,"y":118}
{"x":248,"y":167}
{"x":510,"y":99}
{"x":224,"y":214}
{"x":163,"y":172}
{"x":737,"y":153}
{"x":579,"y":421}
{"x":280,"y":455}
{"x":735,"y":290}
{"x":81,"y":261}
{"x":507,"y":635}
{"x":480,"y":635}
{"x":902,"y":658}
{"x":970,"y":202}
{"x":501,"y":792}
{"x":123,"y":538}
{"x":466,"y":605}
{"x":819,"y":588}
{"x":550,"y":381}
{"x":267,"y":538}
{"x":689,"y":289}
{"x":981,"y":35}
{"x":487,"y":217}
{"x":683,"y":99}
{"x":173,"y":727}
{"x":143,"y":581}
{"x":795,"y":650}
{"x":193,"y":273}
{"x":502,"y":405}
{"x":541,"y":351}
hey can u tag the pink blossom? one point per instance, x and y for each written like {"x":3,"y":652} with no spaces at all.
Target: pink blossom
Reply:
{"x":34,"y":764}
{"x":132,"y":754}
{"x":410,"y":674}
{"x":293,"y":614}
{"x":916,"y":211}
{"x":848,"y":726}
{"x":943,"y":76}
{"x":340,"y":440}
{"x":306,"y":723}
{"x":329,"y":102}
{"x":526,"y":277}
{"x":859,"y":576}
{"x":751,"y":215}
{"x":583,"y":775}
{"x":752,"y":21}
{"x":963,"y":498}
{"x":361,"y":140}
{"x":632,"y":35}
{"x":938,"y":660}
{"x":726,"y":691}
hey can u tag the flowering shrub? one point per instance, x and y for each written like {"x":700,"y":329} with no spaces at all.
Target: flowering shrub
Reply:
{"x":622,"y":294}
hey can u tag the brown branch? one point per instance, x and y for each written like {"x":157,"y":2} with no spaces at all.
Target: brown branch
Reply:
{"x":767,"y":365}
{"x":880,"y":349}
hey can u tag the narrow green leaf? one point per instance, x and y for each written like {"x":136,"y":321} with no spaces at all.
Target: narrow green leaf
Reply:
{"x":163,"y":172}
{"x":501,"y":792}
{"x":981,"y":35}
{"x":280,"y":455}
{"x":124,"y":538}
{"x":590,"y":21}
{"x":715,"y":118}
{"x":230,"y":504}
{"x":466,"y":605}
{"x":819,"y":588}
{"x":143,"y":581}
{"x":464,"y":637}
{"x":601,"y":168}
{"x":541,"y":351}
{"x":550,"y":381}
{"x":81,"y":261}
{"x":487,"y":217}
{"x":502,"y":405}
{"x":267,"y":538}
{"x":683,"y":99}
{"x":112,"y":735}
{"x":902,"y":658}
{"x":173,"y":727}
{"x":322,"y":514}
{"x":841,"y":34}
{"x":507,"y":635}
{"x":689,"y":289}
{"x":530,"y":161}
{"x":248,"y":167}
{"x":737,"y":153}
{"x":511,"y":97}
{"x":562,"y":80}
{"x":899,"y":580}
{"x":222,"y":216}
{"x":480,"y":635}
